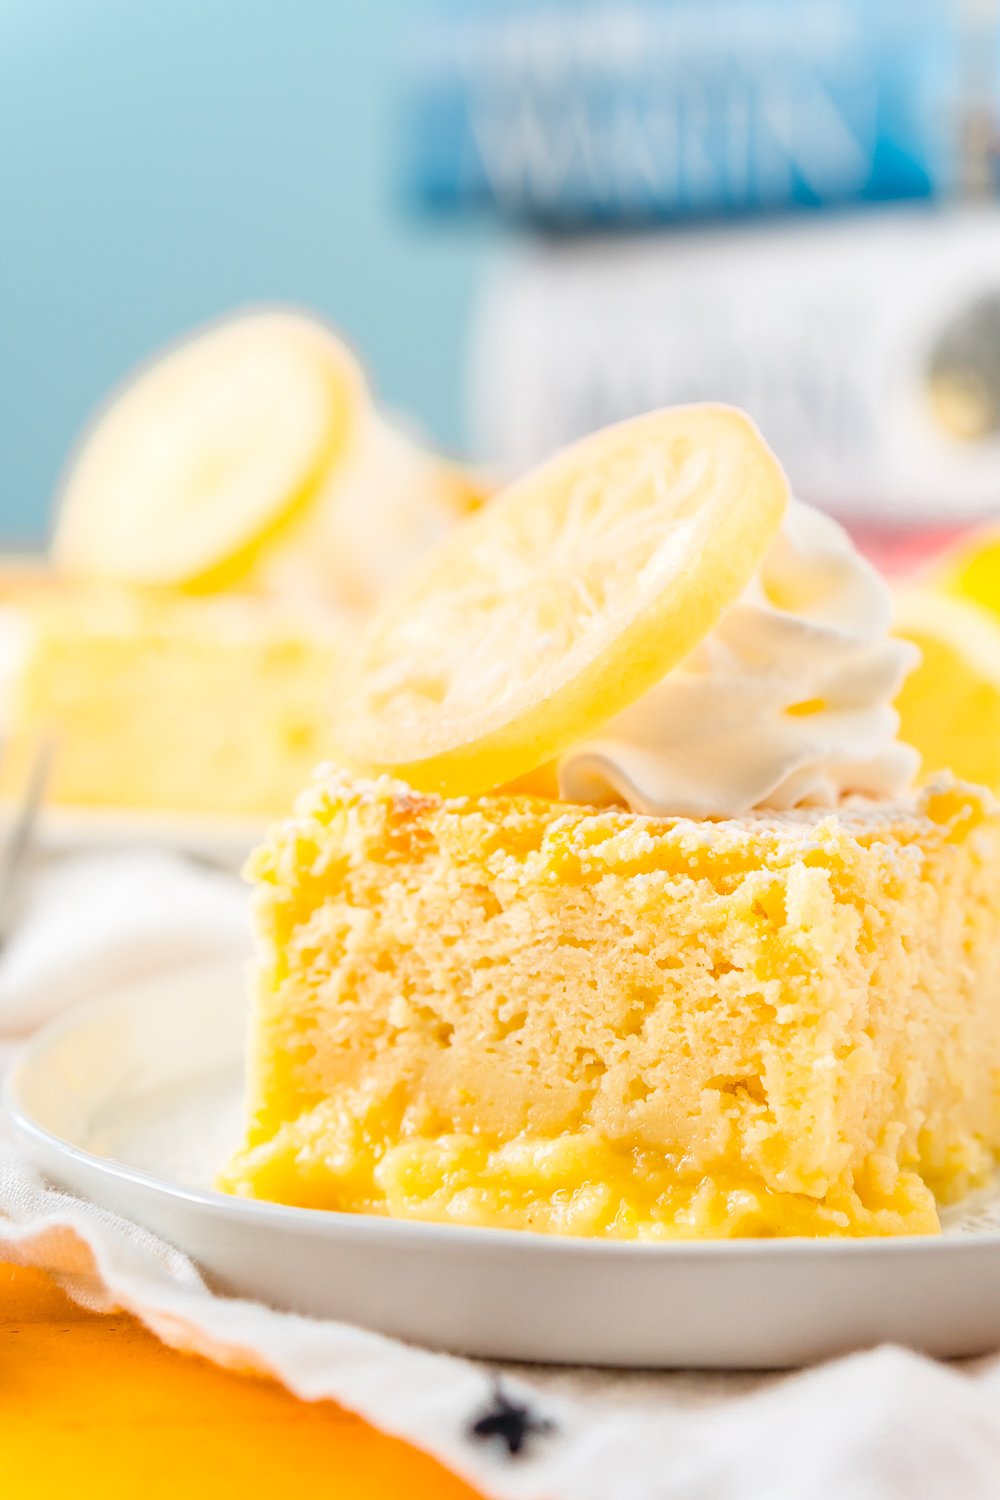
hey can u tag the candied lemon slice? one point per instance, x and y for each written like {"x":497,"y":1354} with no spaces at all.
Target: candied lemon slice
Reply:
{"x":207,"y":450}
{"x":949,"y":705}
{"x":561,"y":602}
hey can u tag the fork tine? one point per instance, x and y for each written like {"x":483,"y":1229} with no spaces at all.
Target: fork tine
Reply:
{"x":21,"y":839}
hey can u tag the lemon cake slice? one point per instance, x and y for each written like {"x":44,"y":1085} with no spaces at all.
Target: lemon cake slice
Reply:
{"x":215,"y":706}
{"x":730,"y":976}
{"x":519,"y":1012}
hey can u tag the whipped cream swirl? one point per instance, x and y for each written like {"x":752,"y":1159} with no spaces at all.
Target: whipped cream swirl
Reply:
{"x":788,"y":702}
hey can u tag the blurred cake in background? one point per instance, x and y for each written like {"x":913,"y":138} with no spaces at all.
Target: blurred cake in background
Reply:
{"x":226,"y":520}
{"x":215,"y":705}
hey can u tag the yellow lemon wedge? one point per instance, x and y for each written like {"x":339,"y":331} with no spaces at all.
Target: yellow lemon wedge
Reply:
{"x":949,"y":706}
{"x":561,"y":602}
{"x":205,"y":452}
{"x":971,"y":569}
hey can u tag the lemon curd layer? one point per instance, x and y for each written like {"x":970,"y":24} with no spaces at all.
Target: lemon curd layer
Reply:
{"x":508,"y":1011}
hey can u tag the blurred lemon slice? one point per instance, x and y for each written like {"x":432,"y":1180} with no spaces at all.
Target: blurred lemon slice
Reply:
{"x":949,"y":706}
{"x":971,"y":569}
{"x":561,"y":602}
{"x":208,"y":450}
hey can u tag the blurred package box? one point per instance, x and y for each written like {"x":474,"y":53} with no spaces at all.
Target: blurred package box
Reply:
{"x":585,"y":112}
{"x":867,"y":347}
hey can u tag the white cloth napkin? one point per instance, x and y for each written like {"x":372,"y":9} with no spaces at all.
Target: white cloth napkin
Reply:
{"x":89,"y":923}
{"x":885,"y":1425}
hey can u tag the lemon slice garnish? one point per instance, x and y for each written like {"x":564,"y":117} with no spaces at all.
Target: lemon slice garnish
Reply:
{"x":570,"y":595}
{"x":207,"y":450}
{"x":949,"y":705}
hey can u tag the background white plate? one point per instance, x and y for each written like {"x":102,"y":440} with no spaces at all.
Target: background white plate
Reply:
{"x":225,"y":842}
{"x":135,"y":1102}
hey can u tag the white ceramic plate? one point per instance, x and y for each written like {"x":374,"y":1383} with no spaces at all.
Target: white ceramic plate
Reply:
{"x":135,"y":1102}
{"x":70,"y":830}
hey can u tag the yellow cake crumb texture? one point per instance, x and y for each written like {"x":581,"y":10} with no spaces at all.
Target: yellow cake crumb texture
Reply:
{"x":508,"y":1011}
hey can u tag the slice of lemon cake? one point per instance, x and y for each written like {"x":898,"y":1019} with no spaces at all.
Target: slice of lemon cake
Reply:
{"x":228,"y":517}
{"x":216,"y":705}
{"x":512,"y":1011}
{"x":731,"y":976}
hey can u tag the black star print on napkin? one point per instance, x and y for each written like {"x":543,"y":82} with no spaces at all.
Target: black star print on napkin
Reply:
{"x":508,"y":1422}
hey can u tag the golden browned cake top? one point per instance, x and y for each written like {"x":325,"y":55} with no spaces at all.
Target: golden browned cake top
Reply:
{"x":385,"y":820}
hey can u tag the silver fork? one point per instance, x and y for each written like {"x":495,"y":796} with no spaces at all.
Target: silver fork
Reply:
{"x":19,"y":845}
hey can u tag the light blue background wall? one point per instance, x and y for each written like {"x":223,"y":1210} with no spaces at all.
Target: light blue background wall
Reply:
{"x":162,"y":161}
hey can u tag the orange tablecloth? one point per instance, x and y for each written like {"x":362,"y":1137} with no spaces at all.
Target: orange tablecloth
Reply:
{"x":94,"y":1406}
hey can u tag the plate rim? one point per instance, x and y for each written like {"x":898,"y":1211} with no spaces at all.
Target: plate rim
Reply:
{"x":422,"y":1233}
{"x":73,"y":826}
